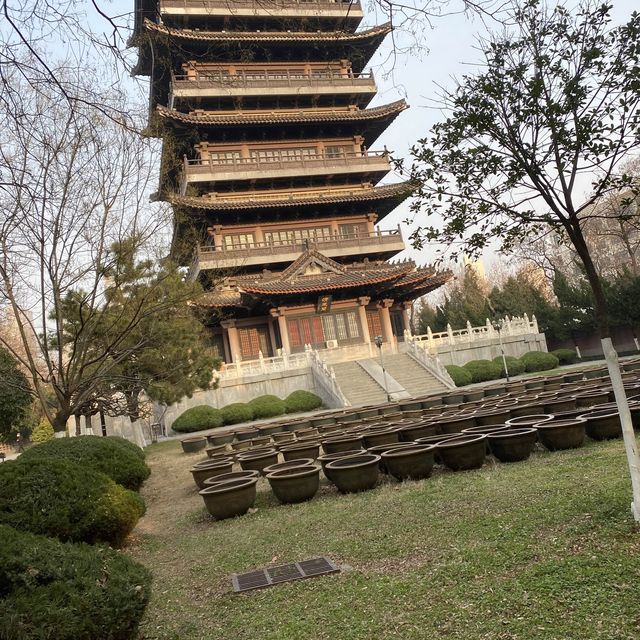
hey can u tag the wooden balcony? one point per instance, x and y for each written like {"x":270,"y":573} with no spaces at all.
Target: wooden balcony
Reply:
{"x":263,"y":82}
{"x":232,"y":169}
{"x":350,"y":10}
{"x":379,"y":242}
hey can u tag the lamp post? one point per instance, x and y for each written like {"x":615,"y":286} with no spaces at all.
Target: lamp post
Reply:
{"x":497,"y":327}
{"x":378,"y":342}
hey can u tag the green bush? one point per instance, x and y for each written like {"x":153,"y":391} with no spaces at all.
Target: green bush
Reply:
{"x":515,"y":365}
{"x":565,"y":356}
{"x":267,"y":406}
{"x":483,"y":370}
{"x":539,"y":361}
{"x":56,"y":591}
{"x":302,"y":401}
{"x":63,"y":499}
{"x":43,"y":432}
{"x":236,"y":412}
{"x":108,"y":455}
{"x":461,"y":377}
{"x":197,"y":419}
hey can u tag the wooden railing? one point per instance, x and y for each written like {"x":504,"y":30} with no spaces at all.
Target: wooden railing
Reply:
{"x":379,"y":237}
{"x":265,"y":78}
{"x":199,"y":165}
{"x":266,"y":5}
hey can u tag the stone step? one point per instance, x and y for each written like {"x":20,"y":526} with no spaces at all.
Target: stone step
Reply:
{"x":409,"y":373}
{"x":357,"y":385}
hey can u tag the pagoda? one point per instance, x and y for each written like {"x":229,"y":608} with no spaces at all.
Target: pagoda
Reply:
{"x":267,"y":161}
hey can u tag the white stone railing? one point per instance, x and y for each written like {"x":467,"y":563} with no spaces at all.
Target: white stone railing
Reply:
{"x":325,"y":377}
{"x":432,"y":363}
{"x":508,"y":327}
{"x":281,"y":362}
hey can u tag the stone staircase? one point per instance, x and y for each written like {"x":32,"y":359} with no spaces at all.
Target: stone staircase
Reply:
{"x":357,"y":385}
{"x":411,"y":375}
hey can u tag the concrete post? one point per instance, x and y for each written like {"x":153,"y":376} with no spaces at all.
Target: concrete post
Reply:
{"x":387,"y":329}
{"x":362,"y":316}
{"x":284,"y":330}
{"x":234,"y":339}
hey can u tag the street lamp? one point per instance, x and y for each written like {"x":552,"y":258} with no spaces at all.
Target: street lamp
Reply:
{"x":497,"y":327}
{"x":378,"y":342}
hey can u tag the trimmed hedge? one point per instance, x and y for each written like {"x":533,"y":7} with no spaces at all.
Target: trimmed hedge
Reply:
{"x":65,"y":500}
{"x":42,"y":432}
{"x":302,"y":401}
{"x":56,"y":591}
{"x":515,"y":365}
{"x":461,"y":377}
{"x":267,"y":406}
{"x":539,"y":361}
{"x":483,"y":370}
{"x":565,"y":356}
{"x":197,"y":419}
{"x":236,"y":412}
{"x":106,"y":455}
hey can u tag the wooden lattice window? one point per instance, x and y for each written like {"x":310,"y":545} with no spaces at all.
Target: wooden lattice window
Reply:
{"x":374,"y":324}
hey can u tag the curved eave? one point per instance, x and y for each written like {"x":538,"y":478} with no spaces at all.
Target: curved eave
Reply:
{"x":336,"y":43}
{"x":399,"y":191}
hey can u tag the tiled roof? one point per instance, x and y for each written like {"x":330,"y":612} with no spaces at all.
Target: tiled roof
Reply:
{"x":271,"y":36}
{"x":399,"y":281}
{"x":274,"y":117}
{"x":295,"y":200}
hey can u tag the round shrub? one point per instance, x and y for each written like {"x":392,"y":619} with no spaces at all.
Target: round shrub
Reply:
{"x":483,"y":370}
{"x":267,"y":406}
{"x":61,"y":591}
{"x":302,"y":401}
{"x":514,"y":365}
{"x":565,"y":356}
{"x":236,"y":412}
{"x":197,"y":419}
{"x":65,"y":500}
{"x":461,"y":377}
{"x":42,"y":432}
{"x":108,"y":455}
{"x":539,"y":361}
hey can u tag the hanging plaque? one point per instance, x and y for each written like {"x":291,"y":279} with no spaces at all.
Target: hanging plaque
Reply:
{"x":324,"y":304}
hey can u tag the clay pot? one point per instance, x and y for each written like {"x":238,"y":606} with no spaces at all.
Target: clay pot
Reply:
{"x":310,"y":431}
{"x":561,"y":404}
{"x":512,"y":445}
{"x":258,"y":460}
{"x":380,"y":436}
{"x":246,"y":434}
{"x":455,"y":424}
{"x":368,"y":412}
{"x":233,"y":475}
{"x":379,"y":449}
{"x":270,"y":429}
{"x":473,"y":396}
{"x":214,"y":451}
{"x":193,"y":444}
{"x":496,"y":416}
{"x":562,"y":434}
{"x":355,"y":473}
{"x":528,"y":407}
{"x":345,"y":443}
{"x":602,"y":425}
{"x":417,"y":430}
{"x":241,"y":445}
{"x":488,"y":429}
{"x":534,"y":384}
{"x":392,"y":409}
{"x":231,"y":498}
{"x":453,"y":398}
{"x":220,"y":439}
{"x":407,"y":463}
{"x":288,"y":464}
{"x":322,"y":421}
{"x":209,"y":469}
{"x":295,"y":484}
{"x":309,"y":449}
{"x":494,"y":391}
{"x":430,"y":403}
{"x":592,"y":398}
{"x":283,"y":436}
{"x":465,"y":452}
{"x":261,"y":442}
{"x":294,"y":425}
{"x":329,"y":457}
{"x":524,"y":422}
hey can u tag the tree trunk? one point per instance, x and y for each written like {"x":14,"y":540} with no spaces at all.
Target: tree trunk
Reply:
{"x":613,"y":366}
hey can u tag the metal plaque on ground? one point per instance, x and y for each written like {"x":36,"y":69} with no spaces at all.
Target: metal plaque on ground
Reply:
{"x":283,"y":573}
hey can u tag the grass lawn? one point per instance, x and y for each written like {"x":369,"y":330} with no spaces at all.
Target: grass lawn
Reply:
{"x":542,"y":549}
